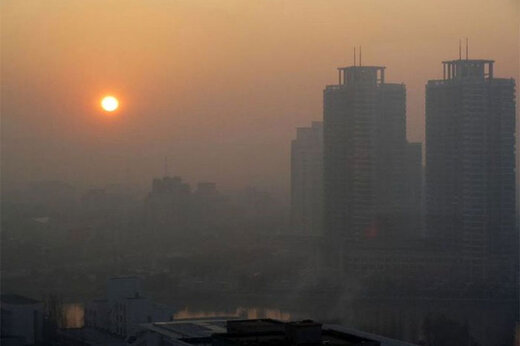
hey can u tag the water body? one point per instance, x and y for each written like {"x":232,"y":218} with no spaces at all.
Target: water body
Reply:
{"x":74,"y":314}
{"x":241,"y":312}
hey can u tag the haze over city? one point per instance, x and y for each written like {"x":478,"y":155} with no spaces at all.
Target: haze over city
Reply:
{"x":216,"y":86}
{"x":260,"y":172}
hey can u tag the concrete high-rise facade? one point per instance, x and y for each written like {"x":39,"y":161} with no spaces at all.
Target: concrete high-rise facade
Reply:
{"x":364,"y":155}
{"x":470,"y":162}
{"x":306,"y":180}
{"x":414,"y":188}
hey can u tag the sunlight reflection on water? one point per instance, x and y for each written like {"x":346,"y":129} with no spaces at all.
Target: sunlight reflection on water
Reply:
{"x":249,"y":313}
{"x":74,"y":314}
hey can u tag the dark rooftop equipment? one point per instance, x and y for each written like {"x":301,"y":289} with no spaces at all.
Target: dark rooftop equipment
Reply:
{"x":255,"y":326}
{"x":306,"y":332}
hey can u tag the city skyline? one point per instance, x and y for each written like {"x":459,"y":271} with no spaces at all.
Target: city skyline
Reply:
{"x":336,"y":172}
{"x":249,"y":93}
{"x":162,"y":165}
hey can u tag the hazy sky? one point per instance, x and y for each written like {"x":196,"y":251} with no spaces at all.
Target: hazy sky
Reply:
{"x":217,"y":86}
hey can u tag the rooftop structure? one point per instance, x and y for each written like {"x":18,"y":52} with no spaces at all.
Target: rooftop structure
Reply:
{"x":16,"y":299}
{"x":463,"y":69}
{"x":222,"y":332}
{"x":21,"y":320}
{"x":361,"y":75}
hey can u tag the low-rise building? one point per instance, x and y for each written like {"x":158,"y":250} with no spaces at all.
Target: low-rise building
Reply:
{"x":223,"y":332}
{"x":22,"y":320}
{"x":124,"y":308}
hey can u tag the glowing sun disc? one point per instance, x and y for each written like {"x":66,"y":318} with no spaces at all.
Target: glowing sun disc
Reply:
{"x":109,"y":103}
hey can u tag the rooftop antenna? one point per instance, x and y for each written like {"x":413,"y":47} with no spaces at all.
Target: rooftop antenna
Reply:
{"x":466,"y":48}
{"x":354,"y":55}
{"x":460,"y":49}
{"x":359,"y":55}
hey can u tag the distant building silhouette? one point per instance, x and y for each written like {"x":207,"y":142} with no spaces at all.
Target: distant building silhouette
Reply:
{"x":48,"y":196}
{"x":306,"y":180}
{"x":168,"y":206}
{"x":206,"y":208}
{"x":366,"y":190}
{"x":470,"y":165}
{"x":173,"y":208}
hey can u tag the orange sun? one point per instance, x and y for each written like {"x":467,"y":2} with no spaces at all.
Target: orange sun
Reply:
{"x":109,"y":103}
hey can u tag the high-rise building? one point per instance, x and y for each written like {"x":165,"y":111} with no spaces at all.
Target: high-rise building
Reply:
{"x":22,"y":320}
{"x":306,"y":180}
{"x":470,"y":163}
{"x":414,"y":188}
{"x":364,"y":155}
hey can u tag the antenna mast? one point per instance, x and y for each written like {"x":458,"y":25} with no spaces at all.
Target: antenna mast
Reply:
{"x":354,"y":55}
{"x":359,"y":55}
{"x":467,"y":48}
